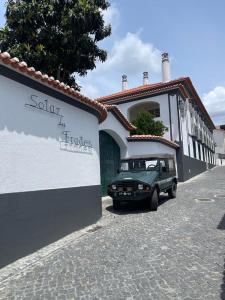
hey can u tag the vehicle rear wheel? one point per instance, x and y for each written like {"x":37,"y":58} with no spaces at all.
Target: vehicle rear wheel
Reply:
{"x":116,"y":204}
{"x":172,"y":192}
{"x":154,"y":200}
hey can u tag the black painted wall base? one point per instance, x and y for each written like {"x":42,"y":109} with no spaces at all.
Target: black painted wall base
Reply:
{"x":192,"y":167}
{"x":32,"y":220}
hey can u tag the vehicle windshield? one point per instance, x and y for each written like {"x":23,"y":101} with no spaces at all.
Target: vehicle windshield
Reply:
{"x":139,"y":165}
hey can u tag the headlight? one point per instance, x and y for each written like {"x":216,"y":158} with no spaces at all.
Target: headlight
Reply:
{"x":113,"y":187}
{"x":140,"y":187}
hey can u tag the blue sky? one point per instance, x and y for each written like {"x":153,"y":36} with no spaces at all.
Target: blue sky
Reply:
{"x":192,"y":32}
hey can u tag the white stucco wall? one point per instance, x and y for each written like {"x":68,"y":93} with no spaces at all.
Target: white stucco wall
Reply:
{"x":113,"y":127}
{"x":174,"y":119}
{"x":164,"y":109}
{"x":31,"y":158}
{"x":146,"y":148}
{"x":219,"y":137}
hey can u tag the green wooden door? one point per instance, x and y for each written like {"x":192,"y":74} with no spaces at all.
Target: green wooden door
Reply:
{"x":109,"y":159}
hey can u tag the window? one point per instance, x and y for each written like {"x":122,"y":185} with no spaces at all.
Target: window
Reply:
{"x":150,"y":106}
{"x":171,"y":165}
{"x":199,"y":151}
{"x":194,"y":149}
{"x":203,"y":152}
{"x":139,"y":165}
{"x":162,"y":164}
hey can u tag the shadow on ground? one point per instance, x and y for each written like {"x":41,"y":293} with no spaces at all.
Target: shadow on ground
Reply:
{"x":221,"y":226}
{"x":223,"y":284}
{"x":135,"y":207}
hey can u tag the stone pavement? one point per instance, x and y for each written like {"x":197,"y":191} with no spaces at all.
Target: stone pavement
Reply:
{"x":177,"y":252}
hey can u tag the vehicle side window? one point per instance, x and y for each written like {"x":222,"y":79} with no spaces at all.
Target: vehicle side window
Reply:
{"x":171,"y":165}
{"x":162,"y":165}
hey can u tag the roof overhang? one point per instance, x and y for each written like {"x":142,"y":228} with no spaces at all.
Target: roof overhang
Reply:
{"x":182,"y":85}
{"x":152,"y":138}
{"x":18,"y":71}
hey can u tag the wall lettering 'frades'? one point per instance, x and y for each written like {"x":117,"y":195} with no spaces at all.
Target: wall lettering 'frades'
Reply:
{"x":75,"y":144}
{"x":67,"y":141}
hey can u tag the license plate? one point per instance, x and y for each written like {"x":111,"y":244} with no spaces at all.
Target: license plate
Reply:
{"x":124,"y":193}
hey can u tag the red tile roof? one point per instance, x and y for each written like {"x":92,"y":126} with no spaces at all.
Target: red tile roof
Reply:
{"x":183,"y":84}
{"x":142,"y":89}
{"x":22,"y":67}
{"x":154,"y":138}
{"x":118,"y":114}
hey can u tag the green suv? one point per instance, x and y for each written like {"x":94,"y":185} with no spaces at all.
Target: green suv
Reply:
{"x":144,"y":179}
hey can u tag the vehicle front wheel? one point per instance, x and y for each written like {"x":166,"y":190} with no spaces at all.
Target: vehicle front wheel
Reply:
{"x":116,"y":204}
{"x":172,"y":192}
{"x":154,"y":200}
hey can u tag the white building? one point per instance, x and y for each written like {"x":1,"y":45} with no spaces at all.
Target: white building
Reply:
{"x":219,"y":137}
{"x":52,"y":167}
{"x":174,"y":102}
{"x":49,"y":148}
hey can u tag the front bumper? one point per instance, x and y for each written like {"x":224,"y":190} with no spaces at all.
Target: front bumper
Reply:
{"x":129,"y":196}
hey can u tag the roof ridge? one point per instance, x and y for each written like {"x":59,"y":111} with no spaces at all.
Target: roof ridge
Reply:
{"x":140,"y":88}
{"x":22,"y":67}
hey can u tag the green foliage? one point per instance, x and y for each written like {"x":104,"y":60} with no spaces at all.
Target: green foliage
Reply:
{"x":57,"y":37}
{"x":146,"y":124}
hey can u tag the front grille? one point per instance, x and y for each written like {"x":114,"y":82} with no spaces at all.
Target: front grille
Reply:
{"x":127,"y":186}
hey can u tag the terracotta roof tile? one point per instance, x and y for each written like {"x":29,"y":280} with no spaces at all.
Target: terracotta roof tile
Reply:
{"x":155,"y":138}
{"x":183,"y":84}
{"x":141,"y":89}
{"x":118,"y":114}
{"x":22,"y":67}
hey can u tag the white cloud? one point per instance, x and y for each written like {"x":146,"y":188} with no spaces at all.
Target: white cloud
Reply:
{"x":112,"y":16}
{"x":215,"y":104}
{"x":130,"y":56}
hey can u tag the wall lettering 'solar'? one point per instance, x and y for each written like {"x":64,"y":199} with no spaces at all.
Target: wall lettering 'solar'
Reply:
{"x":44,"y":105}
{"x":67,"y":142}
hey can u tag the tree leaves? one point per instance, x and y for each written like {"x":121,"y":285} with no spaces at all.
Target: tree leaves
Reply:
{"x":146,"y":124}
{"x":54,"y":35}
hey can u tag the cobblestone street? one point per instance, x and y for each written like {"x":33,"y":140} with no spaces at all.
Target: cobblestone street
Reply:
{"x":177,"y":252}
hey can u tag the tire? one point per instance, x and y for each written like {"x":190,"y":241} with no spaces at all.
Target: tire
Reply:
{"x":116,"y":204}
{"x":154,"y":200}
{"x":172,"y":192}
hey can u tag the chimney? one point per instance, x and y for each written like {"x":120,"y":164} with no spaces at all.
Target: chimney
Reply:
{"x":165,"y":67}
{"x":145,"y":78}
{"x":124,"y":83}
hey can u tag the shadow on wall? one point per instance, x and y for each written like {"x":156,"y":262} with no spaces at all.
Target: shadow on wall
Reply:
{"x":221,"y":226}
{"x":32,"y":114}
{"x":32,"y":122}
{"x":32,"y":220}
